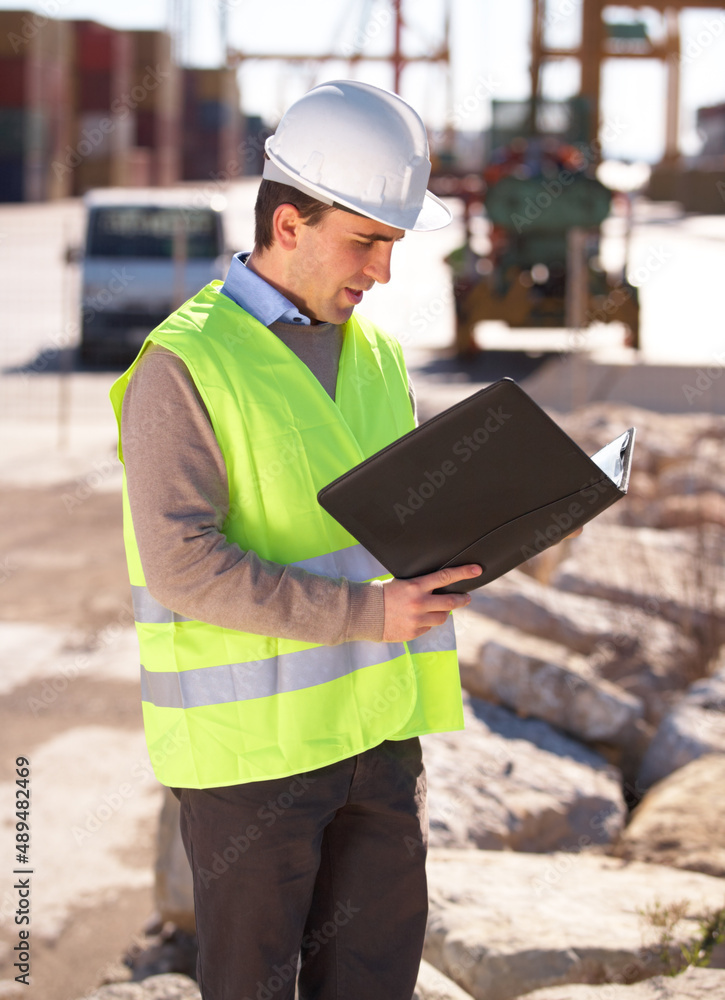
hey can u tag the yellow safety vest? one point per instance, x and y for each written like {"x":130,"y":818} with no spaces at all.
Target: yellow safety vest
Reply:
{"x":222,"y":706}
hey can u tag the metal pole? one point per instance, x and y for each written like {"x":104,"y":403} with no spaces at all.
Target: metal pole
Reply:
{"x":397,"y":54}
{"x":672,"y":122}
{"x":577,"y":295}
{"x":64,"y":354}
{"x":180,"y":251}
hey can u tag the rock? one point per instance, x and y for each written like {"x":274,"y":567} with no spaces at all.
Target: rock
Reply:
{"x":642,"y":653}
{"x":678,"y":575}
{"x":169,"y":950}
{"x":433,"y":985}
{"x":663,"y":440}
{"x":10,"y":990}
{"x":539,"y":678}
{"x":508,"y":783}
{"x":692,"y":984}
{"x":676,"y":455}
{"x":170,"y":987}
{"x":116,"y":972}
{"x":696,"y":474}
{"x":681,"y":821}
{"x":174,"y":890}
{"x":707,"y":507}
{"x":503,"y":924}
{"x":695,"y":727}
{"x":580,"y":623}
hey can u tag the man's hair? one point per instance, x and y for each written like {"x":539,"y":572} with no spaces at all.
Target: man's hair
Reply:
{"x":269,"y":197}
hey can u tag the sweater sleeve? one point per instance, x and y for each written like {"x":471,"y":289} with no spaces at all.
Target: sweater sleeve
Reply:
{"x":178,"y":494}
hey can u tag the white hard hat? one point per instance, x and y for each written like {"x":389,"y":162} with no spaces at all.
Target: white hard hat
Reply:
{"x":356,"y":146}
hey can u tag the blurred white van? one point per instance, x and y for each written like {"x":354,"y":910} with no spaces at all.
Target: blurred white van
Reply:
{"x":145,"y":252}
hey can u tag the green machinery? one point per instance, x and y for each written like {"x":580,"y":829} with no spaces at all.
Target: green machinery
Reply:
{"x":545,"y":208}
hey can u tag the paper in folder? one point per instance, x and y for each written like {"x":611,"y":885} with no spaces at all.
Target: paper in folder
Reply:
{"x":493,"y":480}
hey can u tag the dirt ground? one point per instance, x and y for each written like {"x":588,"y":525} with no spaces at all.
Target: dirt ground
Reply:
{"x":64,"y":558}
{"x":62,"y":564}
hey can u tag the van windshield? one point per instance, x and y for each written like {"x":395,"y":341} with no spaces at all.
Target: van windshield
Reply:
{"x":140,"y":231}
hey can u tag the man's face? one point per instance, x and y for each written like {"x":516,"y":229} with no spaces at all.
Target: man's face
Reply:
{"x":336,"y":261}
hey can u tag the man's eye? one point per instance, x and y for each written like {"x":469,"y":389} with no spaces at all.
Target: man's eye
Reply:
{"x":364,"y":243}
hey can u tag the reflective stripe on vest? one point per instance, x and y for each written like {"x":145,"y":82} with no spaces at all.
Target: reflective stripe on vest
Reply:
{"x":223,"y":706}
{"x":231,"y":682}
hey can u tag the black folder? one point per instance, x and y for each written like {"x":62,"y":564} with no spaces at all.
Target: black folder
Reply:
{"x":492,"y":480}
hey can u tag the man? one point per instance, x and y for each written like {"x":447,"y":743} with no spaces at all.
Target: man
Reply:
{"x":285,"y":677}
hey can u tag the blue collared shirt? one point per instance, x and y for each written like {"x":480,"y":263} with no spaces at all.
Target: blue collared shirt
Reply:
{"x":257,"y":297}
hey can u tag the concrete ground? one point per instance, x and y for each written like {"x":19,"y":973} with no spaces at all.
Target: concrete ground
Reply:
{"x":68,"y":689}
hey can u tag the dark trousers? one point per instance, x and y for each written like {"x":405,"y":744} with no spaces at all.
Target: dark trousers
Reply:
{"x":321,"y":873}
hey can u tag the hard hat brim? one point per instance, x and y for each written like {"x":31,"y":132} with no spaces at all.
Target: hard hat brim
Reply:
{"x":433,"y":213}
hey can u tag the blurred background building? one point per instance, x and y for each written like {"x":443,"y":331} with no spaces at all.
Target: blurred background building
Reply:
{"x":83,"y":104}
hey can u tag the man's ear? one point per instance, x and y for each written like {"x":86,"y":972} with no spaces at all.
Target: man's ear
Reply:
{"x":286,"y":223}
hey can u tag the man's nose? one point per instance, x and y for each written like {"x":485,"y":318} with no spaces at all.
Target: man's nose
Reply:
{"x":378,"y":268}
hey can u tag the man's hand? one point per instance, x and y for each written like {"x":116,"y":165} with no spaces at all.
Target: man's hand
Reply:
{"x":411,"y":607}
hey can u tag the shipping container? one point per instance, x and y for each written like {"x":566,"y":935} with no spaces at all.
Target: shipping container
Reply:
{"x":137,"y":168}
{"x":96,"y":47}
{"x":155,"y":83}
{"x":212,"y":124}
{"x":95,"y":135}
{"x":17,"y":29}
{"x":102,"y":172}
{"x":35,"y":112}
{"x":12,"y":178}
{"x":13,"y":85}
{"x":145,"y":128}
{"x":94,"y":90}
{"x":13,"y":122}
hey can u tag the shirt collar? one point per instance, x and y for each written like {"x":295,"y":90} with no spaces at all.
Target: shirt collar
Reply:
{"x":257,"y":297}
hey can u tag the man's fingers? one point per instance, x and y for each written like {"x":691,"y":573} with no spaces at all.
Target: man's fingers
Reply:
{"x":451,"y":574}
{"x":411,"y":607}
